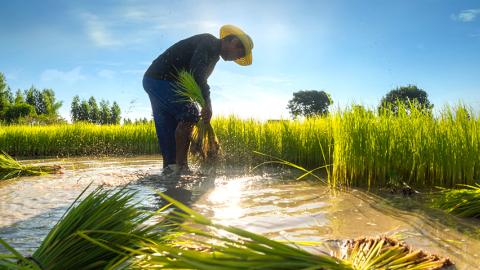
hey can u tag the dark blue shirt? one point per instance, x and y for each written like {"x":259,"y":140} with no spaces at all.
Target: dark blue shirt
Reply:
{"x":197,"y":54}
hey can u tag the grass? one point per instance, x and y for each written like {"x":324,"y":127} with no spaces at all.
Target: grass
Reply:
{"x":68,"y":244}
{"x":105,"y":230}
{"x":463,"y":202}
{"x":364,"y":148}
{"x":80,"y":139}
{"x":203,"y":244}
{"x":10,"y":168}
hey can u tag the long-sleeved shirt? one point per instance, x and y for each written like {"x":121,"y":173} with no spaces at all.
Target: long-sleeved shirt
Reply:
{"x":197,"y":54}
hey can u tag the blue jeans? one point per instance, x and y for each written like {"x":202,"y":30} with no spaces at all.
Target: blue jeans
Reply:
{"x":168,"y":110}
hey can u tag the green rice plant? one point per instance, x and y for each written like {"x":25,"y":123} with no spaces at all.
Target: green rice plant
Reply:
{"x":216,"y":246}
{"x":108,"y":216}
{"x":365,"y":147}
{"x":10,"y":168}
{"x":106,"y":231}
{"x":386,"y":253}
{"x":207,"y":245}
{"x":79,"y":139}
{"x":204,"y":142}
{"x":463,"y":202}
{"x":412,"y":146}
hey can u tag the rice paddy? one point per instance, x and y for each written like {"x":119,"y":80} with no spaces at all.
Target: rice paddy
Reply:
{"x":359,"y":147}
{"x":104,"y":231}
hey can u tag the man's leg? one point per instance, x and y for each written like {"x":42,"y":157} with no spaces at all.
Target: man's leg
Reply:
{"x":165,"y":128}
{"x":165,"y":123}
{"x":183,"y":134}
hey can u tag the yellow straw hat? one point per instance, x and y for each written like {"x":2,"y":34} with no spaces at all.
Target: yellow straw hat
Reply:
{"x":244,"y":38}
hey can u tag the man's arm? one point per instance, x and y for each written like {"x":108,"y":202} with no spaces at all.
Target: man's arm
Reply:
{"x":202,"y":65}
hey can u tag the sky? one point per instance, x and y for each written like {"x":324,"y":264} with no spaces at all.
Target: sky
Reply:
{"x":354,"y":50}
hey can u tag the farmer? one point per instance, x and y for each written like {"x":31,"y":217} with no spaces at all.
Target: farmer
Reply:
{"x":174,"y":118}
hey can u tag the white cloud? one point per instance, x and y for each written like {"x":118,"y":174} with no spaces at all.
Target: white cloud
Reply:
{"x":106,"y":74}
{"x":71,"y":76}
{"x":97,"y":30}
{"x":468,"y":15}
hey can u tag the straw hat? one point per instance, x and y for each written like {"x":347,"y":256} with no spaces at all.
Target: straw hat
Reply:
{"x":244,"y":38}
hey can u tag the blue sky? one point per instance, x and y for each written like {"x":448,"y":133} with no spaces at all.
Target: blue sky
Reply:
{"x":354,"y":50}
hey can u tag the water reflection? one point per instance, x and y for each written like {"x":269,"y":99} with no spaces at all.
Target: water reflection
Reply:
{"x":298,"y":211}
{"x":227,"y":197}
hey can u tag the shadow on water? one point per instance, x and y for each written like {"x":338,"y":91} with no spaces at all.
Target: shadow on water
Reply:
{"x":26,"y":235}
{"x":184,"y":190}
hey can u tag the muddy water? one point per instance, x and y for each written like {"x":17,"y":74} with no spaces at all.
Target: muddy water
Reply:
{"x":280,"y":209}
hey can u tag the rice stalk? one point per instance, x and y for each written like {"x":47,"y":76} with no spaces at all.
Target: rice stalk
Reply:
{"x":461,"y":202}
{"x":217,"y":246}
{"x":10,"y":168}
{"x":387,"y":253}
{"x":204,"y":142}
{"x":106,"y":216}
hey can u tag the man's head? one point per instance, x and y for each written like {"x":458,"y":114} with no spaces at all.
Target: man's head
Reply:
{"x":236,"y":45}
{"x":232,"y":48}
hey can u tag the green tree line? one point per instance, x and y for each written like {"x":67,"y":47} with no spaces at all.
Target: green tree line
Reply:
{"x":309,"y":103}
{"x":35,"y":106}
{"x":28,"y":106}
{"x":90,"y":111}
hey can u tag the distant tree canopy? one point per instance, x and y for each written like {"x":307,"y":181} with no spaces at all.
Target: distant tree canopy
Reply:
{"x":309,"y":103}
{"x":28,"y":106}
{"x":90,"y":111}
{"x":128,"y":121}
{"x":406,"y":95}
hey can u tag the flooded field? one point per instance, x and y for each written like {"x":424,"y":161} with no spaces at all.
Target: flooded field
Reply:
{"x":267,"y":204}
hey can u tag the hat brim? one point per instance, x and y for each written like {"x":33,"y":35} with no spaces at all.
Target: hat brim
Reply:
{"x":245,"y":61}
{"x":233,"y":30}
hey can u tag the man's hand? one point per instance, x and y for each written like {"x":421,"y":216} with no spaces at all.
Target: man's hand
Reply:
{"x":207,"y":112}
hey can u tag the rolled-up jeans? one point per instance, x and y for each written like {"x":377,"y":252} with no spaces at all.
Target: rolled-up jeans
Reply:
{"x":168,"y":110}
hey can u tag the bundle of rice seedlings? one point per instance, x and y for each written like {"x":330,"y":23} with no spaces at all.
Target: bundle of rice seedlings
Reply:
{"x":387,"y":253}
{"x":203,"y":244}
{"x":89,"y":235}
{"x":10,"y":168}
{"x":461,"y":202}
{"x":204,"y":143}
{"x":206,"y":245}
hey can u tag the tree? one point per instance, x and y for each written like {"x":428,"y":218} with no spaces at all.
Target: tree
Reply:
{"x":309,"y":103}
{"x":17,"y":111}
{"x":48,"y":103}
{"x":5,"y":95}
{"x":409,"y":95}
{"x":43,"y":101}
{"x":84,"y":112}
{"x":94,"y":116}
{"x":32,"y":97}
{"x":19,"y":98}
{"x":105,"y":113}
{"x":115,"y":114}
{"x":75,"y":109}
